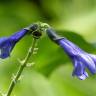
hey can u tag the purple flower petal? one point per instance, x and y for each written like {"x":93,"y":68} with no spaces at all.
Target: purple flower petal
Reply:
{"x":93,"y":57}
{"x":79,"y":68}
{"x":8,"y":43}
{"x":83,"y":76}
{"x":89,"y":63}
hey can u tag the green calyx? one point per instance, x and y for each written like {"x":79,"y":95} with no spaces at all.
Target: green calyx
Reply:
{"x":38,"y":28}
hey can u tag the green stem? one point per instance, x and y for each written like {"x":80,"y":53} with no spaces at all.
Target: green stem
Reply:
{"x":22,"y":66}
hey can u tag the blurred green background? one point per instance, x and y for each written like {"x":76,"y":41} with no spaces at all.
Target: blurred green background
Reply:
{"x":51,"y":74}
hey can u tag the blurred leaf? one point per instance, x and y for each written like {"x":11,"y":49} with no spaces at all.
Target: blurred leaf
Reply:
{"x":34,"y":85}
{"x":64,"y":83}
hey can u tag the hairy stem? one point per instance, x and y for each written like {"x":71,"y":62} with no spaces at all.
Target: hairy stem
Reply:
{"x":21,"y":68}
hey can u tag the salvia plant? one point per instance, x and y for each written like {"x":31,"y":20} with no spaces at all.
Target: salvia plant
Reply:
{"x":80,"y":59}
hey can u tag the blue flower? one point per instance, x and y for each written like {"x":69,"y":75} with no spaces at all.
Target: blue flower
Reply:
{"x":81,"y":59}
{"x":8,"y":43}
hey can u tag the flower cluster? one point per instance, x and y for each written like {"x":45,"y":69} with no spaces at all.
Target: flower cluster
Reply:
{"x":81,"y":59}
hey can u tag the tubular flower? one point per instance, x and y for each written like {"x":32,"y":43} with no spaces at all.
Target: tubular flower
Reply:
{"x":8,"y":43}
{"x":81,"y":59}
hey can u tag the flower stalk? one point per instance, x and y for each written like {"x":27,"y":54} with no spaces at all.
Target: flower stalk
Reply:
{"x":21,"y":68}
